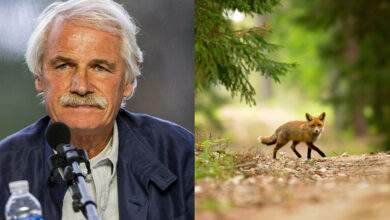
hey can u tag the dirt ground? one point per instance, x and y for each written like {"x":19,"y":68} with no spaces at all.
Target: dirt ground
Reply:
{"x":342,"y":187}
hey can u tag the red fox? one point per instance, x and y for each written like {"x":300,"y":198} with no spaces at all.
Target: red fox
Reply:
{"x":297,"y":131}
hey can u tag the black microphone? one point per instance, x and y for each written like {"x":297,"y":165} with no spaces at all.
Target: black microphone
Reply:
{"x":68,"y":159}
{"x":57,"y":135}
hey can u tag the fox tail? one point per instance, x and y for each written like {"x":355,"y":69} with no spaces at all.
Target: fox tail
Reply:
{"x":269,"y":140}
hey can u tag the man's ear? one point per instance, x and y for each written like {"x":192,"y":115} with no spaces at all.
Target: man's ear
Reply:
{"x":128,"y":91}
{"x":38,"y":83}
{"x":309,"y":117}
{"x":322,"y":116}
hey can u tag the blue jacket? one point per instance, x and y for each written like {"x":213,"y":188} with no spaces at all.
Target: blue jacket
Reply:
{"x":155,"y":169}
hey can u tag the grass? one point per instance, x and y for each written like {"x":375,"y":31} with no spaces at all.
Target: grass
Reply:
{"x":213,"y":205}
{"x":213,"y":161}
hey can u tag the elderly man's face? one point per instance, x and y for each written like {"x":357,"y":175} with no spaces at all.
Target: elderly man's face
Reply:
{"x":83,"y":76}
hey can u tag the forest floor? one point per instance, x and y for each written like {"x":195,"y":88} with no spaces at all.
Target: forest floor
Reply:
{"x":342,"y":187}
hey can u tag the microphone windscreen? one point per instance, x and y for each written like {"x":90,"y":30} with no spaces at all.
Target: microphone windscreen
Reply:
{"x":57,"y":133}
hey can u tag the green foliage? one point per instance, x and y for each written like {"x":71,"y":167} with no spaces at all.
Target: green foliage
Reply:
{"x":213,"y":161}
{"x":206,"y":105}
{"x":213,"y":205}
{"x":225,"y":56}
{"x":300,"y":46}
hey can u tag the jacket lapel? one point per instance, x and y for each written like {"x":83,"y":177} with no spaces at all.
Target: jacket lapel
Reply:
{"x":137,"y":166}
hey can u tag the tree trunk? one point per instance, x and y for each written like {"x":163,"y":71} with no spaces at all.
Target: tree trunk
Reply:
{"x":357,"y":102}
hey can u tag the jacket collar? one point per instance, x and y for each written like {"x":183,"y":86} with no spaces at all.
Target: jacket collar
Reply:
{"x":139,"y":156}
{"x":137,"y":165}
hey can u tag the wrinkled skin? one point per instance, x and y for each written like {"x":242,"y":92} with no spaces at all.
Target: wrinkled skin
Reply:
{"x":82,"y":60}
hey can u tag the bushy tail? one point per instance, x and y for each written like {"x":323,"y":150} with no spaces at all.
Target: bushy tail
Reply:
{"x":270,"y":140}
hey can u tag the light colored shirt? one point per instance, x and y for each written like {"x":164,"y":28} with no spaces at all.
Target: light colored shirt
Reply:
{"x":101,"y":184}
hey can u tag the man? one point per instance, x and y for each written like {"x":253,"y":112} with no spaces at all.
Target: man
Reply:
{"x":85,"y":60}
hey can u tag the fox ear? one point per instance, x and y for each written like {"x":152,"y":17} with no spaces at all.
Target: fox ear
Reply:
{"x":309,"y":117}
{"x":322,"y":116}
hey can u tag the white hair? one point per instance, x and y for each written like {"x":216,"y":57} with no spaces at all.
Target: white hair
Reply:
{"x":105,"y":15}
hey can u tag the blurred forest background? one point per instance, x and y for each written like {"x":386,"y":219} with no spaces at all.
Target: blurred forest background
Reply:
{"x":256,"y":70}
{"x":165,"y":88}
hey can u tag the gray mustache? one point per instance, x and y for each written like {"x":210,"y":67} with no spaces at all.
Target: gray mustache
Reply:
{"x":88,"y":99}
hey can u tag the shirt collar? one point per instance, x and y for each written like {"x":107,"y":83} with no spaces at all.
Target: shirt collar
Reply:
{"x":110,"y":152}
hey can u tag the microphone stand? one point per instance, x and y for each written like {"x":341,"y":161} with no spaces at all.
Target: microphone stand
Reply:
{"x":68,"y":159}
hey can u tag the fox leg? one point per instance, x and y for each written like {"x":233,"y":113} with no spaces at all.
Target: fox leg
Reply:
{"x":294,"y":144}
{"x":312,"y":146}
{"x":308,"y":152}
{"x":279,"y":145}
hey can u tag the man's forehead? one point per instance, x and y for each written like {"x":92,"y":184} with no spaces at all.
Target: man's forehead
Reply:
{"x":72,"y":28}
{"x":72,"y":37}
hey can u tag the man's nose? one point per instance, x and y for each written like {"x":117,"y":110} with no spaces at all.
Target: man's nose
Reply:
{"x":80,"y":83}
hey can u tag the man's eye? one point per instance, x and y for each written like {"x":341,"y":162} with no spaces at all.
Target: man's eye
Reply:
{"x":99,"y":68}
{"x":62,"y":66}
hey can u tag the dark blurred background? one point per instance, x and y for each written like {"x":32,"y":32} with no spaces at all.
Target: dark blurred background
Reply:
{"x":165,"y":88}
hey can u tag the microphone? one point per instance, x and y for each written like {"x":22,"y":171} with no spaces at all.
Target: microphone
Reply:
{"x":68,"y":159}
{"x":57,"y":135}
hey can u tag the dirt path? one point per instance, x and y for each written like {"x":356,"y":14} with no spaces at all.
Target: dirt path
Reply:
{"x":343,"y":187}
